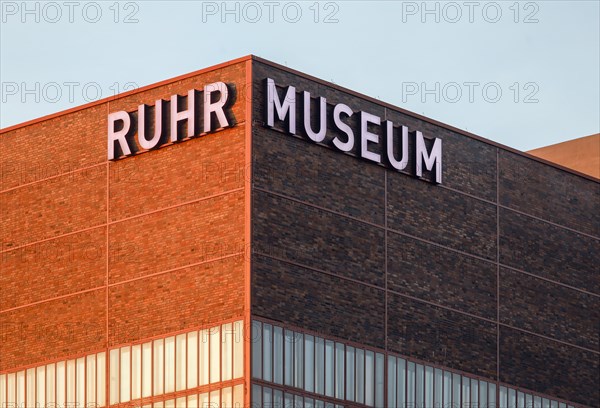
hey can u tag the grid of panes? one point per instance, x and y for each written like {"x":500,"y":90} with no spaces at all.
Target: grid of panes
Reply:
{"x":511,"y":398}
{"x":156,"y":367}
{"x":266,"y":397}
{"x":317,"y":365}
{"x":333,"y":369}
{"x":80,"y":381}
{"x":177,"y":363}
{"x":229,"y":397}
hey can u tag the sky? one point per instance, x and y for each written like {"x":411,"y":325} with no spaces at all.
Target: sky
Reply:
{"x":522,"y":73}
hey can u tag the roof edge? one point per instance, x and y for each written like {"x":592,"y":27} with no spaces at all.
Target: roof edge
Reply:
{"x":424,"y":118}
{"x":125,"y":94}
{"x":312,"y":78}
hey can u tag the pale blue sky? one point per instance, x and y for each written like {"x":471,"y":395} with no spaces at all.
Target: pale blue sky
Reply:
{"x":389,"y":50}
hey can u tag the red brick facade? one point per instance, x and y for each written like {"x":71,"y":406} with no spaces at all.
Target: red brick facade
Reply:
{"x":98,"y":253}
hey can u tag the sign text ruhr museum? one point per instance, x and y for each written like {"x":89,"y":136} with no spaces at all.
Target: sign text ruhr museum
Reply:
{"x":392,"y":151}
{"x":390,"y":148}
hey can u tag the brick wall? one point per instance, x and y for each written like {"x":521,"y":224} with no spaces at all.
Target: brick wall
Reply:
{"x":96,"y":254}
{"x":494,"y":272}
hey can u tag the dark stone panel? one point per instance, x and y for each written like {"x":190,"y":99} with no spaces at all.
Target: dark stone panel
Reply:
{"x":299,"y":233}
{"x":549,"y":251}
{"x":293,"y":167}
{"x":428,"y":211}
{"x":552,"y":310}
{"x":441,"y":276}
{"x":549,"y":367}
{"x":549,"y":193}
{"x":441,"y":336}
{"x":469,"y":165}
{"x":318,"y":302}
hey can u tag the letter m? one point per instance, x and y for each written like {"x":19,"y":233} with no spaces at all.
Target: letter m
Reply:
{"x":285,"y":109}
{"x":430,"y":159}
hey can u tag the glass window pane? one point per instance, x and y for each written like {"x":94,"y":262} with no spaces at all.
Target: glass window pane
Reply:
{"x":289,"y":357}
{"x":180,"y":362}
{"x":379,"y":379}
{"x":438,"y":387}
{"x":238,"y":350}
{"x":41,"y":386}
{"x":483,"y":394}
{"x":267,"y":397}
{"x":146,"y":369}
{"x":125,"y":375}
{"x":447,"y":397}
{"x":227,"y":352}
{"x":350,"y":377}
{"x":226,"y":398}
{"x":267,"y":340}
{"x":3,"y":400}
{"x":410,"y":383}
{"x":204,"y":357}
{"x":369,"y":378}
{"x":71,"y":373}
{"x":192,"y":401}
{"x":392,"y":379}
{"x":520,"y":399}
{"x":429,"y":386}
{"x":238,"y":396}
{"x":114,"y":376}
{"x":456,"y":389}
{"x":11,"y":380}
{"x":474,"y":392}
{"x":289,"y":400}
{"x":360,"y":376}
{"x":257,"y":350}
{"x":90,"y":380}
{"x":309,"y":362}
{"x":51,"y":383}
{"x":136,"y":371}
{"x":299,"y":360}
{"x":101,"y":377}
{"x":512,"y":398}
{"x":340,"y":354}
{"x":492,"y":396}
{"x":80,"y":381}
{"x":277,"y":399}
{"x":401,"y":382}
{"x":319,"y":365}
{"x":528,"y":401}
{"x":215,"y":398}
{"x":21,"y":385}
{"x":170,"y":364}
{"x":215,"y":355}
{"x":466,"y":392}
{"x":30,"y":379}
{"x":277,"y":355}
{"x":203,"y":400}
{"x":256,"y":395}
{"x":503,"y":397}
{"x":159,"y":368}
{"x":329,"y":367}
{"x":420,"y":381}
{"x":192,"y":360}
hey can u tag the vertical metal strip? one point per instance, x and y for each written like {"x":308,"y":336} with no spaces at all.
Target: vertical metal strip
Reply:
{"x":497,"y":275}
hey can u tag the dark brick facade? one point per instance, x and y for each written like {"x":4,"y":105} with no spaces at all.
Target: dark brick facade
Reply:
{"x":331,"y":233}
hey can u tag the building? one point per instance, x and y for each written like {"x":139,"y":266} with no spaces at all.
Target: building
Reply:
{"x":250,"y":234}
{"x":581,"y":154}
